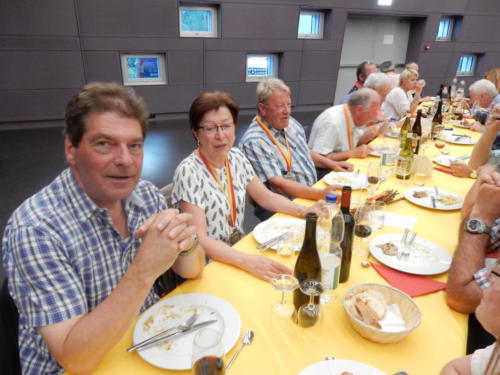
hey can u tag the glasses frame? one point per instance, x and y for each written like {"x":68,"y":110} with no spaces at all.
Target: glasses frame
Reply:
{"x":214,"y":129}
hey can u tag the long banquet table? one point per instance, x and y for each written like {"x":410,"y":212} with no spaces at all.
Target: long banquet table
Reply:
{"x":280,"y":347}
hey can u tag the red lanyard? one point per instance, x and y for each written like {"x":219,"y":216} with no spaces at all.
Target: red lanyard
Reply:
{"x":287,"y":157}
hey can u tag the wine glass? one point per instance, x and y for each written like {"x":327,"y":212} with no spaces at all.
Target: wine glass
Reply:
{"x":362,"y":227}
{"x":373,"y":175}
{"x":284,"y":283}
{"x":208,"y":352}
{"x":309,"y":313}
{"x":440,"y":143}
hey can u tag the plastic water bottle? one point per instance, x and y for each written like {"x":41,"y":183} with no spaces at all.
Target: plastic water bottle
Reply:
{"x":453,"y":89}
{"x":461,"y":89}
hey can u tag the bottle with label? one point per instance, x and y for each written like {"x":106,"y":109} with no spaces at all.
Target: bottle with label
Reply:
{"x":453,"y":88}
{"x":405,"y":129}
{"x":461,"y":89}
{"x":330,"y":260}
{"x":346,"y":244}
{"x":437,"y":120}
{"x":308,"y":265}
{"x":417,"y":132}
{"x":405,"y":160}
{"x":445,"y":99}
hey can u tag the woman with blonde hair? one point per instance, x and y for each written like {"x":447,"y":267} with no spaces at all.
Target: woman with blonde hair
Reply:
{"x":404,"y":98}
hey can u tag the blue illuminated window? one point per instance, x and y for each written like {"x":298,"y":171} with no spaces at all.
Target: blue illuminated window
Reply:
{"x":143,"y":69}
{"x":260,"y":67}
{"x":466,"y":65}
{"x":198,"y":21}
{"x":445,"y":29}
{"x":310,"y":25}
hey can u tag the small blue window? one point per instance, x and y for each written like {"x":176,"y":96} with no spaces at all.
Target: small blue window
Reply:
{"x":466,"y":65}
{"x":198,"y":21}
{"x":445,"y":29}
{"x":311,"y":25}
{"x":260,"y":67}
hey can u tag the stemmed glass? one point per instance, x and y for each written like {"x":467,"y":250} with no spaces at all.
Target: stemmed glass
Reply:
{"x":362,"y":227}
{"x":309,"y":313}
{"x":440,"y":143}
{"x":284,"y":283}
{"x":208,"y":352}
{"x":374,"y":177}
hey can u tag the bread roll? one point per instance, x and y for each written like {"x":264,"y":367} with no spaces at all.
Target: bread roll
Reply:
{"x":371,"y":306}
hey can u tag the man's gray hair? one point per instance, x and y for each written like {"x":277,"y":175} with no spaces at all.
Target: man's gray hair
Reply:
{"x":265,"y":88}
{"x":363,"y":97}
{"x":483,"y":86}
{"x":377,"y":80}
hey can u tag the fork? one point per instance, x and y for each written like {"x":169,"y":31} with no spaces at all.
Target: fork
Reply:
{"x":401,"y":249}
{"x":407,"y":247}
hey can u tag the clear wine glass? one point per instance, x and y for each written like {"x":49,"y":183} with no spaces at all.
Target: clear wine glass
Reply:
{"x":440,"y":143}
{"x":208,"y":352}
{"x":374,"y":177}
{"x":309,"y":314}
{"x":284,"y":283}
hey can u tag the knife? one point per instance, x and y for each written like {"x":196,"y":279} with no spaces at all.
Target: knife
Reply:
{"x":146,"y":344}
{"x":274,"y":240}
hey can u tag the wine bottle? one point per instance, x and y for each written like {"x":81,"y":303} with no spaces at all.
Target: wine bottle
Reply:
{"x":308,"y":265}
{"x":346,"y":244}
{"x":437,"y":120}
{"x":405,"y":129}
{"x":417,"y":131}
{"x":330,"y":262}
{"x":405,"y":160}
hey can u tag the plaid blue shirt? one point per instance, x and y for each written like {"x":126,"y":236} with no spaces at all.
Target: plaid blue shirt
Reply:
{"x":63,"y":257}
{"x":266,"y":159}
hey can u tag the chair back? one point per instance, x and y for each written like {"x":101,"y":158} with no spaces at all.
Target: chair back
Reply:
{"x":167,"y":193}
{"x":9,"y":319}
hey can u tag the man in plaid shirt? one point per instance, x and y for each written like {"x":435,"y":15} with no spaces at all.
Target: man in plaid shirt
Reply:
{"x":82,"y":254}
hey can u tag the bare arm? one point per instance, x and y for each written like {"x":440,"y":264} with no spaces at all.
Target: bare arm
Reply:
{"x":360,"y":151}
{"x":79,"y":343}
{"x":321,"y":161}
{"x":482,"y":148}
{"x":462,"y":293}
{"x":296,"y":189}
{"x":459,"y":366}
{"x":259,"y":266}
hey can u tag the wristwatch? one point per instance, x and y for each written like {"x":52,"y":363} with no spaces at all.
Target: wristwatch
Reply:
{"x":476,"y":226}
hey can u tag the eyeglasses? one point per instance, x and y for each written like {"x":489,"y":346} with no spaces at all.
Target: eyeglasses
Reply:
{"x":212,"y":129}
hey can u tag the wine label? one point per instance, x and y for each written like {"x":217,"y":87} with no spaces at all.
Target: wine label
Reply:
{"x":403,"y":166}
{"x":330,"y":270}
{"x":388,"y":159}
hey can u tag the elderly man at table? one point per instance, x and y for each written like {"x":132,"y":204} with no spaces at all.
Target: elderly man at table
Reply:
{"x":339,"y":132}
{"x":485,"y":151}
{"x":82,"y":254}
{"x":411,"y":65}
{"x":275,"y":144}
{"x":379,"y":82}
{"x":363,"y":71}
{"x":483,"y":94}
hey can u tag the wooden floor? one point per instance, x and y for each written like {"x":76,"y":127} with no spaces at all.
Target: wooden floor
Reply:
{"x":32,"y":158}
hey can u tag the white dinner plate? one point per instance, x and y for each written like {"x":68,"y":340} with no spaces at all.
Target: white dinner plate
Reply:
{"x":457,"y":140}
{"x":447,"y":160}
{"x":426,"y":257}
{"x":426,"y":201}
{"x":378,"y":150}
{"x":176,"y":354}
{"x":337,"y":366}
{"x":354,"y":180}
{"x":460,"y":124}
{"x":273,"y":227}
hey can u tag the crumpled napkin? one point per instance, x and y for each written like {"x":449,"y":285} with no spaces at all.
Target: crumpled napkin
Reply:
{"x":392,"y":321}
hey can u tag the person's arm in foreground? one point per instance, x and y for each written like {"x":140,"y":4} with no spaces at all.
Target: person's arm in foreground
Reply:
{"x":79,"y":343}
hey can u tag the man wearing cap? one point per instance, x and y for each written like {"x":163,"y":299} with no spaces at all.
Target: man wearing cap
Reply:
{"x":339,"y":133}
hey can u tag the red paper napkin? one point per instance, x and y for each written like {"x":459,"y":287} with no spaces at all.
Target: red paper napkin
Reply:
{"x":444,"y":170}
{"x":413,"y":285}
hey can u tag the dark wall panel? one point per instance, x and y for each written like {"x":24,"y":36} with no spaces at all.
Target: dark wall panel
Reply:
{"x":103,"y":66}
{"x":169,"y":98}
{"x":319,"y":65}
{"x":185,"y":67}
{"x":40,"y":69}
{"x":316,"y":92}
{"x":128,"y":17}
{"x":481,"y":28}
{"x":224,"y":67}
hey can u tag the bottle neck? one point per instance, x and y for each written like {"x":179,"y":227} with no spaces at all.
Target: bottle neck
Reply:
{"x":345,"y":203}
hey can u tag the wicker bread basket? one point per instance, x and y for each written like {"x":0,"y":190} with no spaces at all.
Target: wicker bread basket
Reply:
{"x":410,"y":313}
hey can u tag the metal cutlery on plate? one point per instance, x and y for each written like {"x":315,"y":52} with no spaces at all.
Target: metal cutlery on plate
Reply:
{"x":273,"y":241}
{"x":405,"y":245}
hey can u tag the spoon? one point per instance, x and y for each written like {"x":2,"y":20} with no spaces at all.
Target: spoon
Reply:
{"x":245,"y":340}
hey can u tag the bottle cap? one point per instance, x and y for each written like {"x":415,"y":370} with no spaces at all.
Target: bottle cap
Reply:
{"x":331,"y":198}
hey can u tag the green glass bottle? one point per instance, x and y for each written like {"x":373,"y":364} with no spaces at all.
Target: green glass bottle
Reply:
{"x":417,"y":131}
{"x":405,"y":129}
{"x":404,"y":161}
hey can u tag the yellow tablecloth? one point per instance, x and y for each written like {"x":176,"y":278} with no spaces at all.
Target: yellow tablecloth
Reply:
{"x":280,"y":347}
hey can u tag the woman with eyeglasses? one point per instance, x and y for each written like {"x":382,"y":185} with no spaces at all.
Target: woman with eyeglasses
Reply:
{"x":212,"y":183}
{"x":483,"y":361}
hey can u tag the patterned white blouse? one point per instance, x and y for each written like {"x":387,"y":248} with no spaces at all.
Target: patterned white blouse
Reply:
{"x":194,"y":184}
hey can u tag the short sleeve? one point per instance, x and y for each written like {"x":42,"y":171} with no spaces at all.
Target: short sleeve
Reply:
{"x":480,"y":359}
{"x":263,"y":158}
{"x":242,"y":167}
{"x":188,"y":185}
{"x":46,"y":286}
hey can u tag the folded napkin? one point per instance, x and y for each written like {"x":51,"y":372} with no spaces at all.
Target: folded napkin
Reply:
{"x":444,"y":170}
{"x":413,"y":285}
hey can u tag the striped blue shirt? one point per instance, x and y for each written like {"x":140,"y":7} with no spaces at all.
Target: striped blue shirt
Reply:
{"x":266,"y":159}
{"x":63,"y":257}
